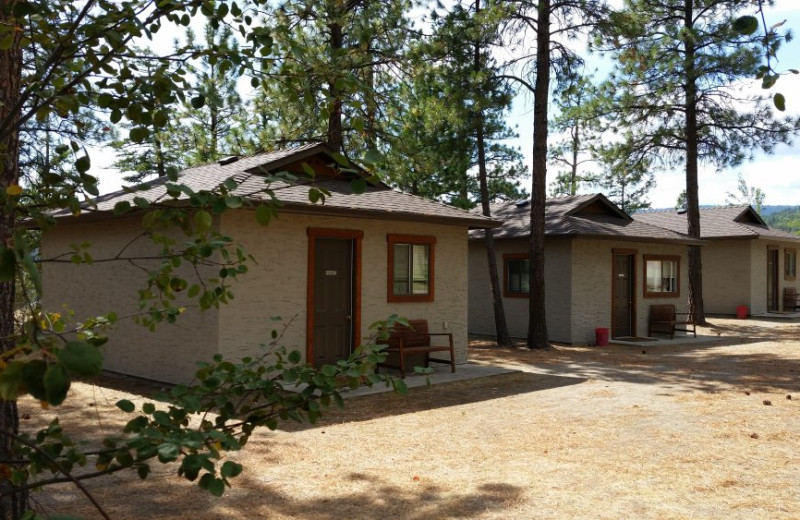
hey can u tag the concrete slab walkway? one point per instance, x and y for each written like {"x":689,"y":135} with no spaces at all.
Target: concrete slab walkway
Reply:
{"x":441,"y":374}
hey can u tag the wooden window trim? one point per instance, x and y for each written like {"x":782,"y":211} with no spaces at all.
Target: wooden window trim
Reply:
{"x":506,"y":258}
{"x":357,"y":236}
{"x":786,"y":275}
{"x":672,"y":294}
{"x":430,"y":241}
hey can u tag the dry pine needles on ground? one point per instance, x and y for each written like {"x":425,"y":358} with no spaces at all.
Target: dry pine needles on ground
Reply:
{"x":579,"y":432}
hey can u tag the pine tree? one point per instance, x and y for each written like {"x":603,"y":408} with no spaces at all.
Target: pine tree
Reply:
{"x":672,"y":95}
{"x":210,"y":124}
{"x":579,"y":132}
{"x":153,"y":150}
{"x":336,"y":71}
{"x":446,"y":102}
{"x":554,"y":22}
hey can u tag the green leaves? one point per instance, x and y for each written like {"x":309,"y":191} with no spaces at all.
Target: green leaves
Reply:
{"x":56,"y":384}
{"x":358,"y":186}
{"x":83,"y":163}
{"x":126,"y":406}
{"x":81,"y":358}
{"x":202,"y":221}
{"x":746,"y":25}
{"x":779,"y":101}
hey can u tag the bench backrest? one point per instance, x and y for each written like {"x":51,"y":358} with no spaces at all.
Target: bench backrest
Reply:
{"x":662,"y":312}
{"x":416,"y":335}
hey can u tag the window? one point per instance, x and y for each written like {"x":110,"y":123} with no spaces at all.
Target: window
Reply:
{"x":790,"y":264}
{"x":661,"y":275}
{"x":411,"y":261}
{"x":516,"y":275}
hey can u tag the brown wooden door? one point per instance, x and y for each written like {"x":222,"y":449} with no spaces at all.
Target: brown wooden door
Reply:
{"x":622,"y":323}
{"x":333,"y":300}
{"x":772,"y":279}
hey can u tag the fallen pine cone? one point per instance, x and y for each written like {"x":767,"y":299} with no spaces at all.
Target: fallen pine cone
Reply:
{"x":767,"y":402}
{"x":746,"y":392}
{"x":754,"y":436}
{"x":789,"y":397}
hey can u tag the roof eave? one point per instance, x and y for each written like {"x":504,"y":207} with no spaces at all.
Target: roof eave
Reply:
{"x":323,"y":148}
{"x":321,"y":209}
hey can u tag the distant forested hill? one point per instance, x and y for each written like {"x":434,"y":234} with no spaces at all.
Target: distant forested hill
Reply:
{"x":787,"y":218}
{"x":769,"y":210}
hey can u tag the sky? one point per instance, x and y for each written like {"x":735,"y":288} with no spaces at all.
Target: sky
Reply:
{"x":778,"y":175}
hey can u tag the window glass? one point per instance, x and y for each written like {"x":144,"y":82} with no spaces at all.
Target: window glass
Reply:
{"x":402,"y":268}
{"x":419,"y":269}
{"x":790,"y":264}
{"x":518,"y":275}
{"x":410,"y":267}
{"x":661,"y":275}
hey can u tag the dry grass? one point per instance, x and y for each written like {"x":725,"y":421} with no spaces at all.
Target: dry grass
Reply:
{"x":617,"y":432}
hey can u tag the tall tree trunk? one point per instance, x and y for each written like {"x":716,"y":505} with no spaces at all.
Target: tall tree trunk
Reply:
{"x":692,"y":197}
{"x":501,"y":326}
{"x":12,"y":504}
{"x":335,"y":138}
{"x":371,"y":108}
{"x":576,"y":143}
{"x":537,"y":323}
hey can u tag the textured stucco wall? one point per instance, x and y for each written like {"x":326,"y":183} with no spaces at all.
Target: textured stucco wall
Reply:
{"x":277,"y":284}
{"x":169,"y":353}
{"x":274,"y":286}
{"x":758,"y":277}
{"x":758,"y":255}
{"x":728,"y":279}
{"x":592,"y":289}
{"x":557,"y":290}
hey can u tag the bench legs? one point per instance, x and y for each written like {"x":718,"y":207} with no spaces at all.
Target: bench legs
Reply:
{"x":428,"y":359}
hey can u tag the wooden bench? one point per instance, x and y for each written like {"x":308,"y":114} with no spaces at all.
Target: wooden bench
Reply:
{"x":415,"y":339}
{"x":665,"y":318}
{"x":790,"y":299}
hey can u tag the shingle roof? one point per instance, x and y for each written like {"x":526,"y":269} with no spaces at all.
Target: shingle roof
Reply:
{"x":379,"y":201}
{"x":719,"y":223}
{"x":578,"y":215}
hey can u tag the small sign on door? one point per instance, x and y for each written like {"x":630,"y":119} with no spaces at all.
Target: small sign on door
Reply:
{"x":330,"y":273}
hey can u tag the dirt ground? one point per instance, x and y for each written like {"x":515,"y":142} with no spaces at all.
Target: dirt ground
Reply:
{"x":646,"y":432}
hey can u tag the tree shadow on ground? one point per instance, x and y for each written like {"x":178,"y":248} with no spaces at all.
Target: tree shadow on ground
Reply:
{"x":703,"y":367}
{"x":372,"y":496}
{"x":456,"y":393}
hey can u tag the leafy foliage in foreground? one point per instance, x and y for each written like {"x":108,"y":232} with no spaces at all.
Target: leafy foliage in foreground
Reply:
{"x":193,"y":425}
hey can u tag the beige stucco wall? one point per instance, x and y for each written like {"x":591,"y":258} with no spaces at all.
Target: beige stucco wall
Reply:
{"x":728,"y":279}
{"x":170,"y":353}
{"x":577,"y":287}
{"x":277,"y":284}
{"x":592,"y":289}
{"x":758,"y":275}
{"x":557,"y":290}
{"x":735,"y":273}
{"x":758,"y":254}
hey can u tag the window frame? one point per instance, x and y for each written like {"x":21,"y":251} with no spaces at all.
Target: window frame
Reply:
{"x":427,"y":240}
{"x":662,"y":258}
{"x":787,"y":253}
{"x":507,"y":293}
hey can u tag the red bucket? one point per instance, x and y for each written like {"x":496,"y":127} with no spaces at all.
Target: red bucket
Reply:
{"x":601,"y":337}
{"x":741,"y":312}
